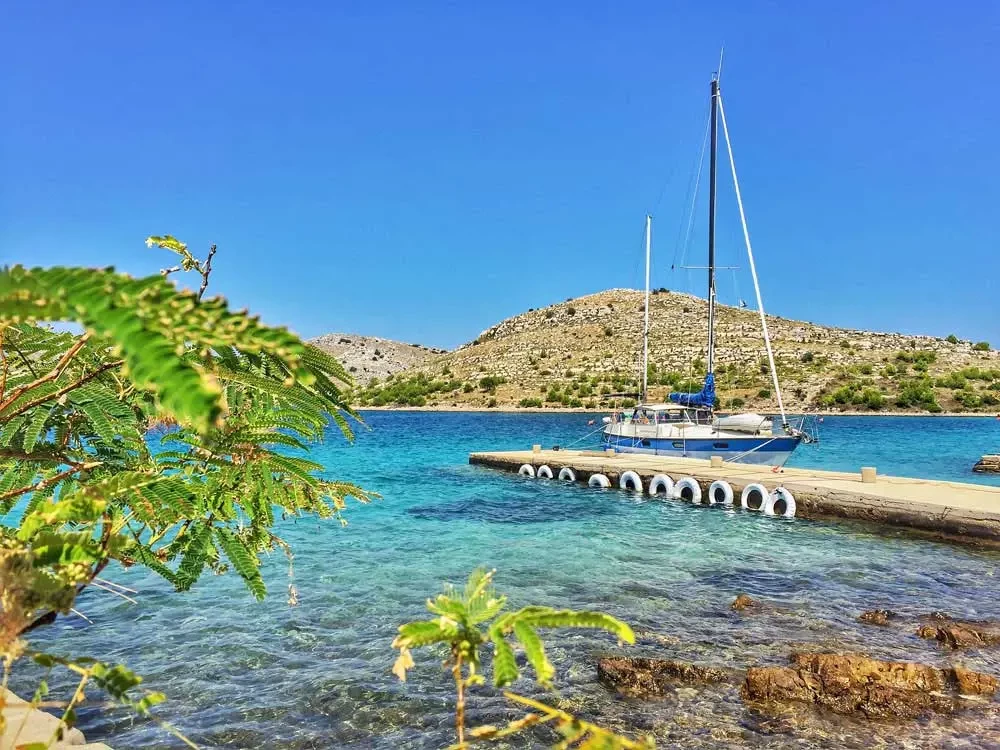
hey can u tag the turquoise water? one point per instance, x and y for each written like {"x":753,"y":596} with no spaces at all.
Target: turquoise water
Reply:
{"x":248,"y":675}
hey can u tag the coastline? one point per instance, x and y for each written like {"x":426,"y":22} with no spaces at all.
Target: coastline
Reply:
{"x":584,"y":410}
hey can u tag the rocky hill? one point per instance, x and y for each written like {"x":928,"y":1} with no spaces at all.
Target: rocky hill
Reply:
{"x":577,"y":352}
{"x":368,"y":357}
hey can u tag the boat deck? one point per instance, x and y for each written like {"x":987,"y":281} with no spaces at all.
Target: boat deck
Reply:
{"x":960,"y":511}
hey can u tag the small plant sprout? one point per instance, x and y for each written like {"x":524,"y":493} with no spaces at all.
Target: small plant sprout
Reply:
{"x":467,"y":620}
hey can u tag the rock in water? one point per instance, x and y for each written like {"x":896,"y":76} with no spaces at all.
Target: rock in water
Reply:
{"x":877,"y":616}
{"x":959,"y":633}
{"x":646,"y":678}
{"x":743,"y":601}
{"x":854,"y":683}
{"x":988,"y":465}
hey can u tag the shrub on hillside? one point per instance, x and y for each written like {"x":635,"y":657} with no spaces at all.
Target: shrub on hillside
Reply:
{"x":489,"y":383}
{"x":952,"y":338}
{"x":530,"y":403}
{"x":981,"y":346}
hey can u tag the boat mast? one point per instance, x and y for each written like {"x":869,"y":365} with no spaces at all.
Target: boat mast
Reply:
{"x":711,"y":224}
{"x":645,"y":326}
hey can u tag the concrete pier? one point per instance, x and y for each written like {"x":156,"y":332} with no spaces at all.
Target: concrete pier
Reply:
{"x":954,"y":510}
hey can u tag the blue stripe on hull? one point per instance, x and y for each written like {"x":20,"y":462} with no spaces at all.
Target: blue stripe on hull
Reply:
{"x":750,"y":450}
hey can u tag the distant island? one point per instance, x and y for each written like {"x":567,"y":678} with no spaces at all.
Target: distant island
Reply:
{"x":575,"y":353}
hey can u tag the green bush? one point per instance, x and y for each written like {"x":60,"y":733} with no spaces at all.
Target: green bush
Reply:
{"x":549,"y":314}
{"x":918,"y":393}
{"x":571,"y":310}
{"x":530,"y":403}
{"x":981,"y":346}
{"x":489,"y":383}
{"x":968,"y":399}
{"x":952,"y":338}
{"x":735,"y":403}
{"x":468,"y":388}
{"x":609,"y":331}
{"x":872,"y":398}
{"x":865,"y":369}
{"x":953,"y":380}
{"x":807,"y":357}
{"x":491,"y":403}
{"x":764,"y":393}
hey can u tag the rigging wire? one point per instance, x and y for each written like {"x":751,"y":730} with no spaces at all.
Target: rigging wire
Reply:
{"x":753,"y":267}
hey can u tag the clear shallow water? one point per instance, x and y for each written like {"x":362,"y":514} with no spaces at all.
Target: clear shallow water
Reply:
{"x":242,"y":674}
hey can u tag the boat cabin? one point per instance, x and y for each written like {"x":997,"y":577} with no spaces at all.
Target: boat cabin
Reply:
{"x":666,"y":414}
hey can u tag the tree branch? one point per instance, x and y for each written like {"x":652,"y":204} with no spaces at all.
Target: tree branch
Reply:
{"x":54,"y":374}
{"x":205,"y":270}
{"x":51,"y":480}
{"x":65,"y":389}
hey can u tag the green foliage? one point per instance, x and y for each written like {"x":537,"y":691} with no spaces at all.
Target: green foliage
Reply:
{"x":489,"y":383}
{"x":969,"y":399}
{"x":609,"y":331}
{"x":764,"y":393}
{"x":924,"y":356}
{"x":233,"y":403}
{"x":549,"y":314}
{"x":468,"y":620}
{"x":571,"y":310}
{"x":734,"y":403}
{"x":981,"y":346}
{"x":952,"y":338}
{"x":807,"y":357}
{"x":872,"y":398}
{"x":413,"y":390}
{"x":953,"y":380}
{"x":918,"y":393}
{"x":530,"y":403}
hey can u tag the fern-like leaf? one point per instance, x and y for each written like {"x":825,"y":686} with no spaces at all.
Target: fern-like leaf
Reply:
{"x":243,"y":561}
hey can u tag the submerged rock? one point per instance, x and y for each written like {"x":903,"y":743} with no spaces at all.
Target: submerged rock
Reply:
{"x":646,"y":678}
{"x":743,"y":601}
{"x":877,"y":616}
{"x":988,"y":465}
{"x":854,"y":683}
{"x":959,"y":633}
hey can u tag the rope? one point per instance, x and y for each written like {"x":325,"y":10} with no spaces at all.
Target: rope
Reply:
{"x":753,"y":267}
{"x":575,"y":442}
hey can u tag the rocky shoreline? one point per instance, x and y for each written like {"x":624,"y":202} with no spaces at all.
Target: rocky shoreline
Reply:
{"x":847,"y":683}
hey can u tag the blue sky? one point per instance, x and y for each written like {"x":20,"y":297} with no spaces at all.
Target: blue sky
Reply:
{"x":422,"y":170}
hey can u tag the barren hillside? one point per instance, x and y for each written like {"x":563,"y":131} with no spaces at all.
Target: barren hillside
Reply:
{"x":572,"y":353}
{"x":367,"y":357}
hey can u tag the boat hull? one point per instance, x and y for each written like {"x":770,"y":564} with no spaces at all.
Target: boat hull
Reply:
{"x":772,"y":451}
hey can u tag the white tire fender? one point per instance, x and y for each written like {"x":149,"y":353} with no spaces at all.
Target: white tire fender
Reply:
{"x":754,"y":497}
{"x":629,"y":480}
{"x":781,"y":503}
{"x":544,"y":472}
{"x":720,"y":493}
{"x":688,"y":489}
{"x":526,"y":470}
{"x":567,"y":474}
{"x":598,"y":480}
{"x":661,"y":482}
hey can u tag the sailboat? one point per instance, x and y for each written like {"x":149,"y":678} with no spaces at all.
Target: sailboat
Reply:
{"x":688,"y":425}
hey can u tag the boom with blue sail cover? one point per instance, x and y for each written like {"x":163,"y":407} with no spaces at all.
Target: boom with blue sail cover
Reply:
{"x":705,"y":397}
